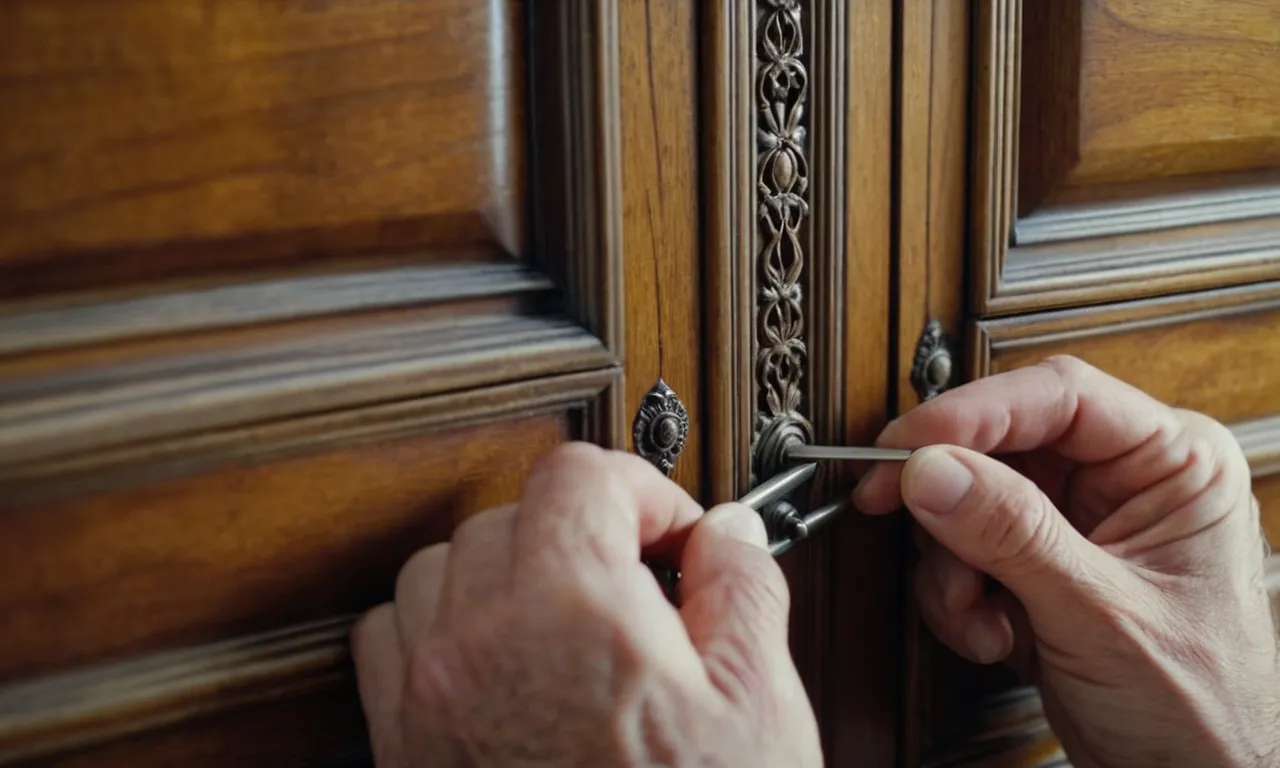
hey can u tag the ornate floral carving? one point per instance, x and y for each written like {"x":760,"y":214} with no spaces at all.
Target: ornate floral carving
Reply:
{"x":782,"y":179}
{"x":660,"y":428}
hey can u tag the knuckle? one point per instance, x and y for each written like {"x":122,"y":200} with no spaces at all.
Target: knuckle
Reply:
{"x":425,"y":563}
{"x":366,"y":628}
{"x":763,"y":591}
{"x":1019,"y":528}
{"x":1069,"y":367}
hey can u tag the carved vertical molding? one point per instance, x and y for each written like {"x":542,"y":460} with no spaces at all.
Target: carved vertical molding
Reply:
{"x":782,"y":182}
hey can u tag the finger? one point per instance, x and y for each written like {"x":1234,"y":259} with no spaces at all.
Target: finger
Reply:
{"x":1000,"y":523}
{"x":954,"y":607}
{"x":479,"y":565}
{"x":1080,"y":412}
{"x":735,"y":602}
{"x":380,"y":675}
{"x":419,"y":587}
{"x":584,"y":508}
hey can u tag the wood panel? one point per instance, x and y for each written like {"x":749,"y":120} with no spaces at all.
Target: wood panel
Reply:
{"x":152,"y":137}
{"x":797,"y":270}
{"x":247,"y":548}
{"x":1123,"y":150}
{"x":1118,"y":91}
{"x":661,"y":233}
{"x":1212,"y":352}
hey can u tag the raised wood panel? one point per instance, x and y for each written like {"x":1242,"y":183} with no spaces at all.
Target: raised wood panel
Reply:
{"x":247,"y":548}
{"x":1120,"y":91}
{"x":1123,"y":149}
{"x":321,"y":727}
{"x":163,"y":137}
{"x":1213,"y":352}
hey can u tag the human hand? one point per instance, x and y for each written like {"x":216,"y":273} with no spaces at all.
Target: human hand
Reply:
{"x":1130,"y":552}
{"x":537,"y":636}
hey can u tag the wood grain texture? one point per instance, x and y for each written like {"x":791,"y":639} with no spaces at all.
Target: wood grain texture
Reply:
{"x":1118,"y":155}
{"x":861,"y":586}
{"x":62,"y":406}
{"x":660,"y":228}
{"x":1159,"y":91}
{"x":323,"y":728}
{"x":72,"y":710}
{"x":931,"y":170}
{"x":248,"y":548}
{"x":729,"y":220}
{"x":271,"y":129}
{"x":1213,"y":352}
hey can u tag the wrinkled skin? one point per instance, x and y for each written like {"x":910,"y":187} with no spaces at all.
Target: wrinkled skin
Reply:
{"x":536,"y":637}
{"x":1121,"y":536}
{"x":1128,"y":550}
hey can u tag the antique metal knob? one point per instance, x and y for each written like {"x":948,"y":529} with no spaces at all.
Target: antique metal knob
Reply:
{"x":660,"y":428}
{"x":932,"y":369}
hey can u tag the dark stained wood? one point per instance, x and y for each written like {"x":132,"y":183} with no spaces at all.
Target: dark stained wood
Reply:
{"x":1122,"y":151}
{"x":74,"y":710}
{"x":660,"y":231}
{"x":147,"y":138}
{"x":323,"y":728}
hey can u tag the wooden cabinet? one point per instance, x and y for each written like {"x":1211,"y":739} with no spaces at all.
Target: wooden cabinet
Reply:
{"x":288,"y":289}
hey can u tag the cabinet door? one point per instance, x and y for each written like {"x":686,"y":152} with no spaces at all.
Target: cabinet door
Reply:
{"x":1123,"y":148}
{"x":287,"y":290}
{"x":1105,"y":176}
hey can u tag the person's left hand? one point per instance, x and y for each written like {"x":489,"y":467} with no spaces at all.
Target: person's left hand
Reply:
{"x":538,"y":637}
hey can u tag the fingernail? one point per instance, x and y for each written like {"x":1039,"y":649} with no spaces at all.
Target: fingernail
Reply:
{"x":935,"y":481}
{"x":737,"y":522}
{"x":984,"y":644}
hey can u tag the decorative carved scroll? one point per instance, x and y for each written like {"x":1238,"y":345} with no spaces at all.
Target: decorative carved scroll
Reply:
{"x":782,"y":179}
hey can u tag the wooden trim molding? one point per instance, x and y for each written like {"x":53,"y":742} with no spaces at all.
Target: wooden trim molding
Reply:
{"x":78,"y":709}
{"x":1070,"y":255}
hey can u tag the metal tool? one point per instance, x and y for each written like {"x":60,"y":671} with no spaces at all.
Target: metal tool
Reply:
{"x":845,"y":453}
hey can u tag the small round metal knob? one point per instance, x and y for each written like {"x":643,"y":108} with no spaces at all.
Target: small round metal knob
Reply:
{"x":660,"y":428}
{"x":938,"y":372}
{"x":932,"y":369}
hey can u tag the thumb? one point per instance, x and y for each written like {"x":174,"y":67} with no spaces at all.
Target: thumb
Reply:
{"x":735,"y":601}
{"x":1001,"y":523}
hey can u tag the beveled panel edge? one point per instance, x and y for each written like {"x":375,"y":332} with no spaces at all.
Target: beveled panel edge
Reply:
{"x":1059,"y":325}
{"x":63,"y":320}
{"x":80,"y":708}
{"x":1260,"y":441}
{"x":576,"y":159}
{"x":542,"y":368}
{"x":1140,"y":259}
{"x":1079,"y":222}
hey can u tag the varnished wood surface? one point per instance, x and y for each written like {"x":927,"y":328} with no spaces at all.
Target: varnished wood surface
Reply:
{"x":858,"y":595}
{"x":139,"y":133}
{"x":1121,"y":151}
{"x":661,"y":236}
{"x":245,"y":549}
{"x":1213,"y":352}
{"x":1125,"y":91}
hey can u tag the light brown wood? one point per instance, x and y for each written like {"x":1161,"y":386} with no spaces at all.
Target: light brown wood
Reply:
{"x":145,"y":138}
{"x":661,"y":243}
{"x":1128,"y":92}
{"x":1104,"y":131}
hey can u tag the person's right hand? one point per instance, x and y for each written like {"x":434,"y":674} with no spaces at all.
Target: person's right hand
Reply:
{"x":1129,"y":550}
